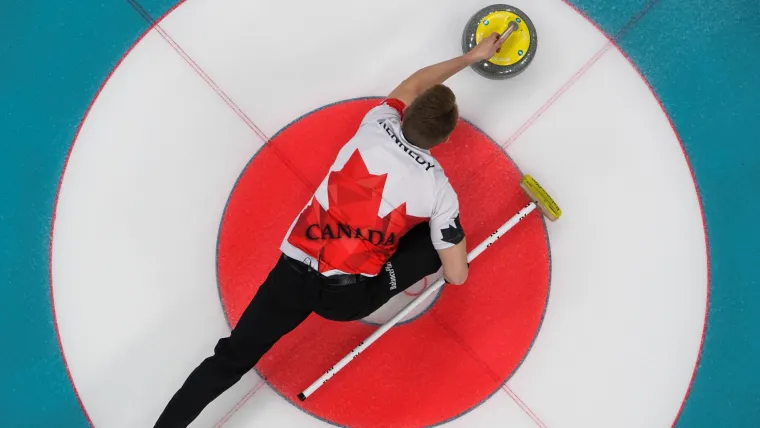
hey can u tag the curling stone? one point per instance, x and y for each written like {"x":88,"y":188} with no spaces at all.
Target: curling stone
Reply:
{"x":519,"y":40}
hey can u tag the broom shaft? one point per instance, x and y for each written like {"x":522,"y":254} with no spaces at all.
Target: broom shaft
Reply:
{"x":414,"y":303}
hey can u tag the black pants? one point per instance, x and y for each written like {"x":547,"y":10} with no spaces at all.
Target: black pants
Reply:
{"x":291,"y":293}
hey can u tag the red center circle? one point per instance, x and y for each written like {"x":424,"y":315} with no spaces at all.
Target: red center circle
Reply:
{"x":447,"y":361}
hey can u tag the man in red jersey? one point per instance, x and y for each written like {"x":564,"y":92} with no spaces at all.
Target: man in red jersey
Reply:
{"x":384,"y":217}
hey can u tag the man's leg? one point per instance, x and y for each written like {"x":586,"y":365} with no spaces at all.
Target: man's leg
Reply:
{"x":277,"y":308}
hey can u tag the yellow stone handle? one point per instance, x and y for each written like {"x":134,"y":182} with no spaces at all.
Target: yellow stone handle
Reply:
{"x":511,"y":27}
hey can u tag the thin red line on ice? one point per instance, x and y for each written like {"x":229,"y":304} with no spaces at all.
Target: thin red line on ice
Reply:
{"x":577,"y":75}
{"x":522,"y":405}
{"x":240,"y":403}
{"x":457,"y":338}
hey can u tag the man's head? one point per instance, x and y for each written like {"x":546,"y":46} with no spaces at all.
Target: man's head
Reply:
{"x":431,"y":117}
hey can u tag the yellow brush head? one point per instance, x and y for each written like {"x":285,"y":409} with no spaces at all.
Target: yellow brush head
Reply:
{"x":543,"y":201}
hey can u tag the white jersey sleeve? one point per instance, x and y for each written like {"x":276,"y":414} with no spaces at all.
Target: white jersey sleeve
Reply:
{"x":389,"y":108}
{"x":445,"y":228}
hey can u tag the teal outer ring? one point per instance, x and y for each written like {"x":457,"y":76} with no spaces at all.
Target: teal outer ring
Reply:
{"x":56,"y":55}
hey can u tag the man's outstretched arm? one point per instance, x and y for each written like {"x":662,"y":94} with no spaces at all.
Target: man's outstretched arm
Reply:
{"x":435,"y":74}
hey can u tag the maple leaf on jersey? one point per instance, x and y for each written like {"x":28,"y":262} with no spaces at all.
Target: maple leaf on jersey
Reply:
{"x":350,"y":236}
{"x":453,"y":234}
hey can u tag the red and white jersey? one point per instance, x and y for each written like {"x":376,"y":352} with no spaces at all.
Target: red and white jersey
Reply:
{"x":379,"y":187}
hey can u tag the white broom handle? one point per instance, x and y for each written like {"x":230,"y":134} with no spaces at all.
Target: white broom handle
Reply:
{"x":501,"y":231}
{"x":436,"y":285}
